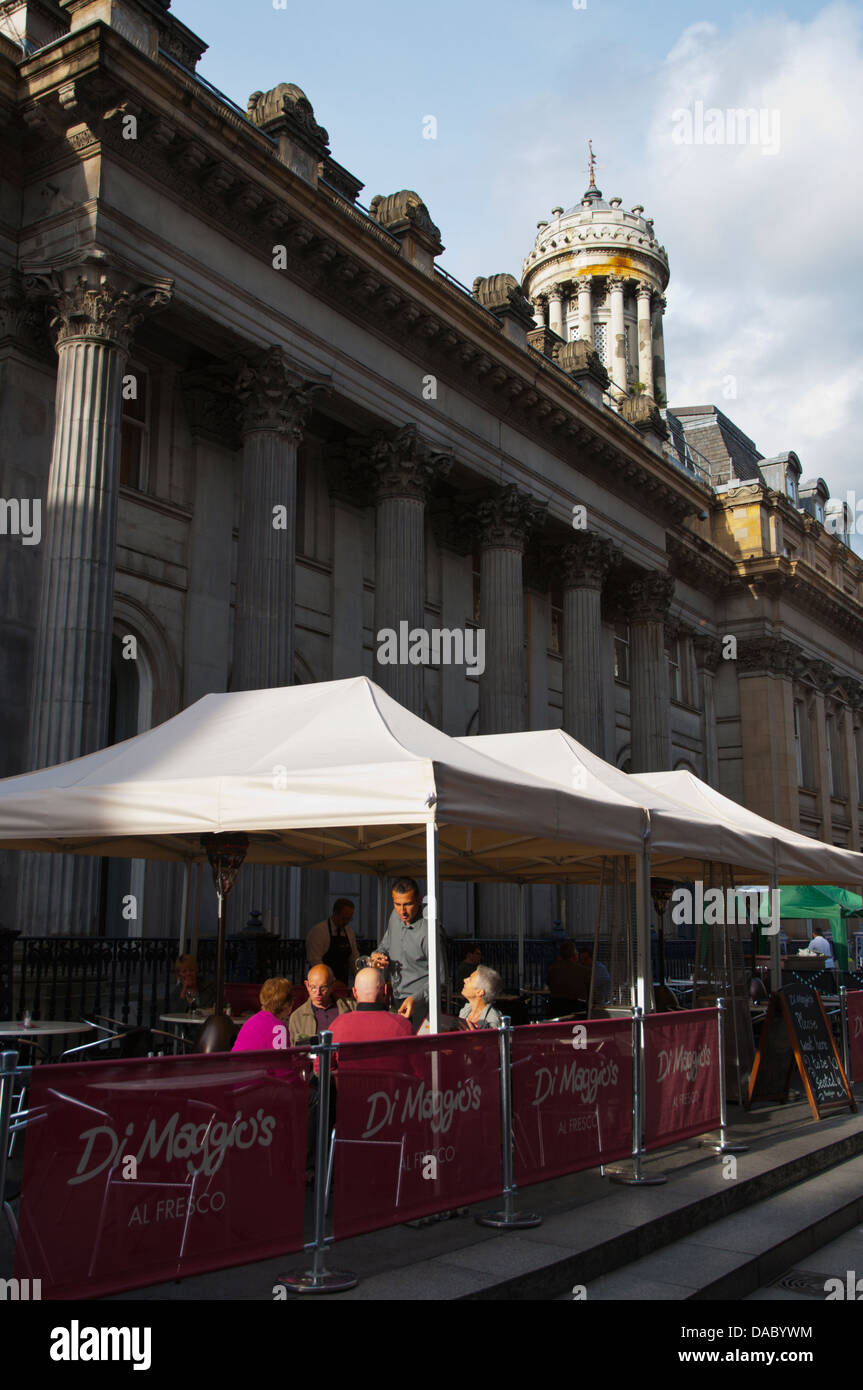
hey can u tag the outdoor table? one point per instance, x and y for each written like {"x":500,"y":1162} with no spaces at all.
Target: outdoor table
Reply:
{"x":42,"y":1028}
{"x":179,"y":1021}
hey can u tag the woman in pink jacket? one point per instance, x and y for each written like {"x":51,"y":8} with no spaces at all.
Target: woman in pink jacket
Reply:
{"x":268,"y":1029}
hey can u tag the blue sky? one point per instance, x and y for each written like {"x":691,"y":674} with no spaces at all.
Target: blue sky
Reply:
{"x":765,"y":291}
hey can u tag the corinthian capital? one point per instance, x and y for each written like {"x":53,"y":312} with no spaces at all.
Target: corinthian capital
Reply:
{"x":506,"y":517}
{"x":96,"y":302}
{"x":708,"y":651}
{"x":402,"y":464}
{"x":649,"y":597}
{"x":585,"y":560}
{"x":275,"y":396}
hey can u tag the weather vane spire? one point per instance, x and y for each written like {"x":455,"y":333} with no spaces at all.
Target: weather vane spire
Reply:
{"x":591,"y":167}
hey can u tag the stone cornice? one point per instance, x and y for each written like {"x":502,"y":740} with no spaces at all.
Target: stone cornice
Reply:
{"x":699,"y":563}
{"x":206,"y":156}
{"x":807,"y":591}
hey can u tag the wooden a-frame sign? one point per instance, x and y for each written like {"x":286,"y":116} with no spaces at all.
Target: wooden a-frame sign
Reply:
{"x":796,"y":1032}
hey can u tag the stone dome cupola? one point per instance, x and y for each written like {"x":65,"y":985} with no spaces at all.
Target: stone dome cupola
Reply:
{"x":598,"y":272}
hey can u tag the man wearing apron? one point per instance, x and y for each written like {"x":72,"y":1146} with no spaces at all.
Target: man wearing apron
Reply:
{"x":333,"y":942}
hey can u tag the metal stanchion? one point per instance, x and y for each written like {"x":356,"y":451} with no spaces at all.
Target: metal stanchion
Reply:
{"x":635,"y":1177}
{"x":318,"y":1279}
{"x":8,"y":1063}
{"x":508,"y":1219}
{"x":723,"y":1147}
{"x":846,"y":1047}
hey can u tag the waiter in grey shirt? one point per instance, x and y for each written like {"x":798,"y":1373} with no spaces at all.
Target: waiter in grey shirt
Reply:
{"x":405,"y":948}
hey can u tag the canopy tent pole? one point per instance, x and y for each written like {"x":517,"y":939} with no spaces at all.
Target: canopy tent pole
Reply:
{"x":197,"y":927}
{"x":184,"y":910}
{"x":596,"y":936}
{"x":775,"y":941}
{"x":643,"y":966}
{"x":432,"y":914}
{"x":522,"y":930}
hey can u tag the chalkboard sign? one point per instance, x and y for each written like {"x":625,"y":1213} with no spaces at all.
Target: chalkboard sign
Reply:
{"x":796,"y":1030}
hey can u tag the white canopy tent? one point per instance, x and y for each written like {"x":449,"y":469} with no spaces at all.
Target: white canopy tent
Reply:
{"x":334,"y":776}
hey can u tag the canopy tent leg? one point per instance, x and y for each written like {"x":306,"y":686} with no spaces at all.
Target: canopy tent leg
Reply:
{"x":522,"y":931}
{"x":184,"y":910}
{"x":643,"y":966}
{"x":432,"y":913}
{"x":775,"y":943}
{"x":596,"y":921}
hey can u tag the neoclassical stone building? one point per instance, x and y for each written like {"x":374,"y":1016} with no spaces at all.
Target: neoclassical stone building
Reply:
{"x":259,"y":425}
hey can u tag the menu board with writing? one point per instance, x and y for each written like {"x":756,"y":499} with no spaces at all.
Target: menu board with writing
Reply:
{"x":796,"y":1030}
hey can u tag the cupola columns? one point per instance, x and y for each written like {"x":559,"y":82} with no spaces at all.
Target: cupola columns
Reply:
{"x":555,"y":309}
{"x":645,"y":339}
{"x":585,"y":310}
{"x":617,"y":347}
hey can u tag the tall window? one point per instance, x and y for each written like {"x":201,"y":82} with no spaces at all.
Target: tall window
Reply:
{"x":835,"y":740}
{"x":830,"y":734}
{"x":798,"y":741}
{"x":133,"y":428}
{"x":791,"y":487}
{"x":672,"y":656}
{"x":621,"y":652}
{"x":556,"y":597}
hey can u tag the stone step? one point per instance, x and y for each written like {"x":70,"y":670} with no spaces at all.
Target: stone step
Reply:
{"x":738,"y":1254}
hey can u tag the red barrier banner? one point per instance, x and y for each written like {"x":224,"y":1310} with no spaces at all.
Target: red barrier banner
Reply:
{"x":145,"y":1170}
{"x":854,"y":1011}
{"x":572,"y":1097}
{"x":681,"y":1075}
{"x":417,"y":1128}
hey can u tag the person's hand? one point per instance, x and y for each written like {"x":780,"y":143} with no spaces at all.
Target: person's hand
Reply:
{"x":407,"y":1008}
{"x":380,"y":960}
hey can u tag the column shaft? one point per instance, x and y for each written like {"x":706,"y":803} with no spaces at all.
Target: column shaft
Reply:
{"x":582,"y":667}
{"x":400,"y":591}
{"x":585,"y":311}
{"x":501,"y":688}
{"x":645,"y":340}
{"x":617,"y":347}
{"x":264,"y":634}
{"x":555,"y":310}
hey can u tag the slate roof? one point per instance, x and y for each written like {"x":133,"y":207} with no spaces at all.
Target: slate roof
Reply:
{"x":725,"y":449}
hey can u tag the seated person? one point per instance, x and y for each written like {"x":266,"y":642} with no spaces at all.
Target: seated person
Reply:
{"x":568,"y":982}
{"x":472,"y":958}
{"x":480,"y":990}
{"x":371,"y":1020}
{"x":189,"y":992}
{"x":268,"y":1028}
{"x":820,"y":944}
{"x":601,"y":977}
{"x":320,"y":1010}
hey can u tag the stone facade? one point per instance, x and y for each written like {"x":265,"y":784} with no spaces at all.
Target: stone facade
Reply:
{"x":262,"y":428}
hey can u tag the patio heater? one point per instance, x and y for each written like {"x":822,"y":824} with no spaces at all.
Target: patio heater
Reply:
{"x":226,"y":853}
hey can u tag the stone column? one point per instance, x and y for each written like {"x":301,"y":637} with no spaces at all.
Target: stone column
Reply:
{"x":765,"y":683}
{"x":644,"y":294}
{"x":708,"y":651}
{"x":584,"y":562}
{"x":96,"y":314}
{"x":585,"y":309}
{"x":555,"y":309}
{"x":403,"y":468}
{"x":649,"y":598}
{"x":539,"y":311}
{"x":505,"y":519}
{"x":660,"y":385}
{"x":276,"y":402}
{"x":850,"y":763}
{"x":617,"y":346}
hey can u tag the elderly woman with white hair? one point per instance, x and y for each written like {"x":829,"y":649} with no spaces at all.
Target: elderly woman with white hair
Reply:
{"x":480,"y":990}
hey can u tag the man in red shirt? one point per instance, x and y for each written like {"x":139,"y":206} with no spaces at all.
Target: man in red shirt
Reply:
{"x":371,"y":1021}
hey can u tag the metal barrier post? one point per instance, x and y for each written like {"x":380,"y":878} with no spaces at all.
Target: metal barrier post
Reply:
{"x":636,"y":1178}
{"x":846,"y":1047}
{"x":508,"y":1219}
{"x":8,"y":1063}
{"x":318,"y":1279}
{"x":723,"y":1147}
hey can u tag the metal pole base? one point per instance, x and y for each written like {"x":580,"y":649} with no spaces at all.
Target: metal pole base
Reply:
{"x":321,"y":1281}
{"x":719,"y":1146}
{"x":627,"y":1177}
{"x":509,"y":1220}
